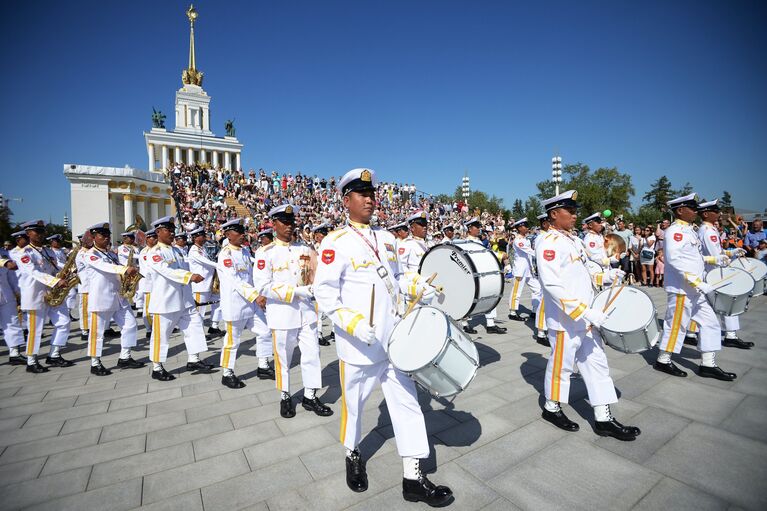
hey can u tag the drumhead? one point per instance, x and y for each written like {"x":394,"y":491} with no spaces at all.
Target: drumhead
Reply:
{"x":418,"y":338}
{"x":738,"y":282}
{"x":631,"y":310}
{"x":455,"y":273}
{"x":755,"y":267}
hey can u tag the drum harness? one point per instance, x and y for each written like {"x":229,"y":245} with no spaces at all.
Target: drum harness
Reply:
{"x":381,"y":271}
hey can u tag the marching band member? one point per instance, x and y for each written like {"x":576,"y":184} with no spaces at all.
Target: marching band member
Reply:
{"x":145,"y":284}
{"x":522,"y":270}
{"x":9,"y":317}
{"x":83,"y":272}
{"x":265,"y":237}
{"x":290,"y":312}
{"x":358,"y":261}
{"x":123,"y":251}
{"x":568,"y":293}
{"x":37,"y":275}
{"x":541,"y":334}
{"x":410,"y":251}
{"x":473,"y":229}
{"x":61,"y":255}
{"x":400,"y":231}
{"x":235,"y":272}
{"x":105,"y":303}
{"x":712,"y":247}
{"x":449,"y":232}
{"x":180,"y":242}
{"x":202,"y":291}
{"x":172,"y":304}
{"x":683,"y":281}
{"x":318,"y":233}
{"x":594,"y":242}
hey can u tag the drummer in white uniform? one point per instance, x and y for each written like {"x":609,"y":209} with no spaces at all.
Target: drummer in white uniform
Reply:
{"x":683,"y":281}
{"x":541,"y":335}
{"x":400,"y":231}
{"x":594,"y":242}
{"x":358,"y":264}
{"x":522,"y":270}
{"x":568,"y":293}
{"x":473,"y":229}
{"x":449,"y":232}
{"x":410,"y":251}
{"x":318,"y":234}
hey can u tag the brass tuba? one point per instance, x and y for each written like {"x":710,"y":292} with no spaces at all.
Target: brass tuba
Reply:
{"x":215,"y":284}
{"x":68,"y":273}
{"x":129,"y":283}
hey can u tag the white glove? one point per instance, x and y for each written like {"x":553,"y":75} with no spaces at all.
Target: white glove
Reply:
{"x":303,"y":291}
{"x":616,"y":274}
{"x":705,"y":288}
{"x":595,"y":316}
{"x":722,"y":260}
{"x":365,"y":332}
{"x":429,"y":293}
{"x":738,"y":252}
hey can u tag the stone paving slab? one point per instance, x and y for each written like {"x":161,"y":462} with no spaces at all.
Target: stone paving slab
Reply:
{"x":70,"y":440}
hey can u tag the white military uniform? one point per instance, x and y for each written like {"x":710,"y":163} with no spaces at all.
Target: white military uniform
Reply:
{"x":410,"y":251}
{"x":684,"y":270}
{"x":352,"y":260}
{"x":38,"y":267}
{"x":711,"y":246}
{"x":61,"y":257}
{"x":292,"y":319}
{"x":491,"y":315}
{"x":568,"y":293}
{"x":123,"y":253}
{"x":172,"y":304}
{"x":540,"y":312}
{"x":201,"y":265}
{"x":9,"y":319}
{"x":235,"y":273}
{"x":105,"y":303}
{"x":522,"y":270}
{"x":83,"y":273}
{"x":145,"y":286}
{"x":594,"y":244}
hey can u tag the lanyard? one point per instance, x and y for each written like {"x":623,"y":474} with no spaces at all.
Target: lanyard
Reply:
{"x":375,"y":238}
{"x":45,"y":256}
{"x":109,"y":256}
{"x":382,"y":273}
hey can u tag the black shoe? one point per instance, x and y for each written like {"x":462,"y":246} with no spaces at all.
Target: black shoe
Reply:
{"x":669,"y":368}
{"x":199,"y":366}
{"x":83,"y":337}
{"x":139,"y":314}
{"x":18,"y":360}
{"x":232,"y":381}
{"x":215,"y":332}
{"x":162,"y":375}
{"x":324,"y":342}
{"x":690,"y":341}
{"x":469,"y":330}
{"x":149,"y":335}
{"x":72,"y":318}
{"x":737,"y":343}
{"x":331,"y":336}
{"x":316,"y":406}
{"x":111,"y":334}
{"x":129,"y":363}
{"x":423,"y":490}
{"x":58,"y":362}
{"x":543,"y":341}
{"x":36,"y":368}
{"x":356,"y":475}
{"x":265,"y":373}
{"x":495,"y":329}
{"x":517,"y":317}
{"x":560,"y":420}
{"x":287,"y":409}
{"x":615,"y":429}
{"x":715,"y":372}
{"x":100,"y":370}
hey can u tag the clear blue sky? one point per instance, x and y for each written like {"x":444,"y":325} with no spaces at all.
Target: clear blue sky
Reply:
{"x":418,"y":90}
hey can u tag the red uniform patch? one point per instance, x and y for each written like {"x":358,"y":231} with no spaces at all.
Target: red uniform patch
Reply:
{"x":157,"y":258}
{"x":25,"y":259}
{"x":328,"y":256}
{"x":592,"y":244}
{"x":521,"y":245}
{"x":677,"y":236}
{"x":94,"y":258}
{"x":549,"y":255}
{"x":401,"y":250}
{"x":228,"y":263}
{"x":261,"y":264}
{"x":714,"y":238}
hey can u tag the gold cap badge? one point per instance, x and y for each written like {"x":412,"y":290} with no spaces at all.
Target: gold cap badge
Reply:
{"x":366,"y":176}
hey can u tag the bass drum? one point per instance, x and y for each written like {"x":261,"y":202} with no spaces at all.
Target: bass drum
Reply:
{"x":757,"y":269}
{"x":470,"y":275}
{"x":732,"y":290}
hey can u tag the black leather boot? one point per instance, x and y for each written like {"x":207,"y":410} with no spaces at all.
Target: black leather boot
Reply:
{"x":356,"y":476}
{"x":232,"y":381}
{"x":715,"y":372}
{"x":287,"y":409}
{"x":162,"y":375}
{"x":423,"y":490}
{"x":669,"y":368}
{"x":58,"y":362}
{"x":560,"y":420}
{"x":737,"y":343}
{"x":469,"y":330}
{"x":495,"y":329}
{"x":129,"y":363}
{"x":615,"y":429}
{"x":199,"y":366}
{"x":316,"y":406}
{"x":100,"y":370}
{"x":265,"y":373}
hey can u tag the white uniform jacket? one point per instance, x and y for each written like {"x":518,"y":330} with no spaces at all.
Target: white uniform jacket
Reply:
{"x":523,"y":257}
{"x":105,"y":271}
{"x":83,"y":270}
{"x":595,"y":248}
{"x":235,"y":274}
{"x":410,"y":251}
{"x":200,"y":264}
{"x":171,"y":291}
{"x":346,"y":272}
{"x":711,"y":245}
{"x":122,"y":254}
{"x":145,"y":284}
{"x":684,"y":259}
{"x":566,"y":283}
{"x":37,"y":275}
{"x":276,"y":274}
{"x":8,"y":287}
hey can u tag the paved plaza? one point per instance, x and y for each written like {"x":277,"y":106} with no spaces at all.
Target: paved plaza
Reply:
{"x":69,"y":440}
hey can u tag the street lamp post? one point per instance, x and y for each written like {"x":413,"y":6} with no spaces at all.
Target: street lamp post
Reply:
{"x":556,"y":172}
{"x":465,"y":188}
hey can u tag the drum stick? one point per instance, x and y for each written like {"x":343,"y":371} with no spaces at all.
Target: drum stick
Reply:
{"x":420,"y":295}
{"x":722,"y":280}
{"x":372,"y":304}
{"x":610,"y":302}
{"x":610,"y":293}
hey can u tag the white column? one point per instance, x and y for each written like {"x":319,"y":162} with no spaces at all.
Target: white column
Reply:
{"x":190,"y":156}
{"x":215,"y":159}
{"x":128,"y":207}
{"x":237,"y":162}
{"x":169,"y":209}
{"x":178,"y":154}
{"x":141,"y":209}
{"x":227,"y":160}
{"x":164,"y":157}
{"x":113,"y":212}
{"x":205,"y":119}
{"x":153,"y":212}
{"x":150,"y":153}
{"x":203,"y":155}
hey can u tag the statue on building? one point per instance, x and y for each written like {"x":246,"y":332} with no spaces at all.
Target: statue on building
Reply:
{"x":229,"y":127}
{"x":191,"y":75}
{"x":158,"y":119}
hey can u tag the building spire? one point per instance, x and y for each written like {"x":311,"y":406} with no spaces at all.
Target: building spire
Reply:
{"x":191,"y":76}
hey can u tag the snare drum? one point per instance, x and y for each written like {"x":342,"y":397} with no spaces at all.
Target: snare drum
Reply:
{"x":757,"y":269}
{"x":471,"y":277}
{"x":732,"y":290}
{"x":631,"y":325}
{"x":433,"y":350}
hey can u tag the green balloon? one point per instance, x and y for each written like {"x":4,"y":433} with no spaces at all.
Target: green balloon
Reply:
{"x":607,"y":213}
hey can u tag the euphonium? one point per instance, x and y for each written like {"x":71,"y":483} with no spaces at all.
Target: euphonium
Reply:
{"x":215,"y":284}
{"x":68,"y":273}
{"x":129,"y":283}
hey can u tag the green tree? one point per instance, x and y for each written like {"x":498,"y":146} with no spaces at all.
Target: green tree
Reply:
{"x":726,"y":200}
{"x":5,"y":221}
{"x":659,"y":194}
{"x":518,"y":209}
{"x":604,"y":188}
{"x":533,"y":208}
{"x":481,"y":200}
{"x":685,"y":190}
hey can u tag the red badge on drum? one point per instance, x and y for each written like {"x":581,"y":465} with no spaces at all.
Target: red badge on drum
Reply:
{"x":261,"y":264}
{"x":549,"y":255}
{"x":328,"y":256}
{"x":677,"y":236}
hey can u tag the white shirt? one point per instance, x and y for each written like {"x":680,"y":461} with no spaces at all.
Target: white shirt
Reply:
{"x":684,"y":260}
{"x":410,"y":251}
{"x":145,"y":284}
{"x":123,"y":251}
{"x":104,"y":289}
{"x":37,"y":274}
{"x":200,"y":264}
{"x":171,"y":291}
{"x":235,"y":274}
{"x":595,"y":248}
{"x":523,"y":257}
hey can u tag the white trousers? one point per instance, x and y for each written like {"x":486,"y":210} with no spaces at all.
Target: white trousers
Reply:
{"x":285,"y":342}
{"x":188,"y":321}
{"x":232,"y":339}
{"x":540,"y":317}
{"x":99,"y":322}
{"x":264,"y":342}
{"x":72,"y":299}
{"x":681,"y":309}
{"x":59,"y":318}
{"x":138,"y":299}
{"x":730,"y":323}
{"x":586,"y":350}
{"x":357,"y":382}
{"x":10,"y":325}
{"x":215,"y":309}
{"x":147,"y":317}
{"x":84,"y":312}
{"x":519,"y":286}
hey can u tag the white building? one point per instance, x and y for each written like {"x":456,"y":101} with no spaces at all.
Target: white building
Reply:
{"x":123,"y":194}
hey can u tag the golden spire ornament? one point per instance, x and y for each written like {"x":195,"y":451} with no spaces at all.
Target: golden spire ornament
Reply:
{"x":191,"y":76}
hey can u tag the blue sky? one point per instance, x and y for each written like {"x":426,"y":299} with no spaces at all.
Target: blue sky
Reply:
{"x":418,"y":90}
